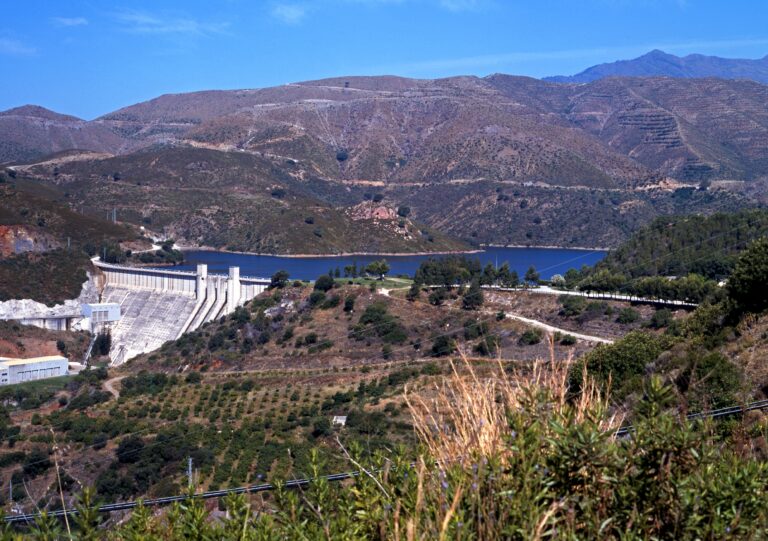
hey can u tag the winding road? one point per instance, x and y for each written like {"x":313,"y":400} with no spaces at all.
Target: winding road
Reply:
{"x":533,"y":323}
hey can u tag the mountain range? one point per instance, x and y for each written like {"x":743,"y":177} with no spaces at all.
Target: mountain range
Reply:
{"x":660,"y":64}
{"x":497,"y":159}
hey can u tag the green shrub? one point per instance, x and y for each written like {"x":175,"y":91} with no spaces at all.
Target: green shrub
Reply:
{"x":572,"y":305}
{"x":530,"y":337}
{"x":627,"y":315}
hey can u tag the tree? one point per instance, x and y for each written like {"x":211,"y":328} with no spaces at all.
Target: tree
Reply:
{"x":442,"y":346}
{"x":473,"y":298}
{"x":379,"y":268}
{"x":103,"y":343}
{"x":557,"y":280}
{"x":36,"y":462}
{"x":489,"y":275}
{"x":622,"y":363}
{"x":532,"y":276}
{"x":324,"y":283}
{"x":413,"y":292}
{"x":747,"y":284}
{"x":129,"y":449}
{"x":403,"y":212}
{"x":350,"y":271}
{"x":437,"y":297}
{"x":279,"y":280}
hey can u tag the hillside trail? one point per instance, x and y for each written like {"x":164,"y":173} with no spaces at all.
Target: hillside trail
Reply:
{"x":109,"y":386}
{"x":552,"y":329}
{"x":533,"y":323}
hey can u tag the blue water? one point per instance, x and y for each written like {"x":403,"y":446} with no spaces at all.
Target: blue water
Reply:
{"x":548,"y":261}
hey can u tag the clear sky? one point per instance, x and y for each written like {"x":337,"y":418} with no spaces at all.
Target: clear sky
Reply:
{"x":89,"y":57}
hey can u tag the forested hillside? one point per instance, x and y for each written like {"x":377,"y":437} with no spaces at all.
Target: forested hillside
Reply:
{"x":678,"y":245}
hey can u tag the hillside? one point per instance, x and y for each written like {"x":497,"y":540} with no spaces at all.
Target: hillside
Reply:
{"x":47,"y":243}
{"x":678,"y":245}
{"x":256,"y":403}
{"x":31,"y":132}
{"x":498,"y":160}
{"x":237,"y":201}
{"x":606,"y":133}
{"x":660,"y":64}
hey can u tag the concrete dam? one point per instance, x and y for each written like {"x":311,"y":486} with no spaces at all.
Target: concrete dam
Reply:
{"x":160,"y":305}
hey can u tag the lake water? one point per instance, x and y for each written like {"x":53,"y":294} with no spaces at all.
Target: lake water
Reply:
{"x":548,"y":261}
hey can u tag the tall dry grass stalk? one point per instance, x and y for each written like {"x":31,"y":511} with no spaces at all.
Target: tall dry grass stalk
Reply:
{"x":466,"y":415}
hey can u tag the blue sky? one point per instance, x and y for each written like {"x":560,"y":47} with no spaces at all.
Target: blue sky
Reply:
{"x":89,"y":57}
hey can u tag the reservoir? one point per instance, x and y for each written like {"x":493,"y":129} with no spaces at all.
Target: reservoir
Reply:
{"x":548,"y":261}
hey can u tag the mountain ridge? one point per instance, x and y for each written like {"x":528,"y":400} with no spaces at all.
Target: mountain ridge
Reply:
{"x":658,"y":63}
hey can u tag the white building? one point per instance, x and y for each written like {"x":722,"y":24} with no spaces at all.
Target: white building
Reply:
{"x":14,"y":371}
{"x":97,"y":314}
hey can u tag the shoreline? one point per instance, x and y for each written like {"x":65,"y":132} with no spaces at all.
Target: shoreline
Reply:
{"x":318,"y":256}
{"x":388,"y":254}
{"x":548,"y":247}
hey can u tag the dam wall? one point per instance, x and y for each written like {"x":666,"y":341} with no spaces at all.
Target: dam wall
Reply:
{"x":159,"y":305}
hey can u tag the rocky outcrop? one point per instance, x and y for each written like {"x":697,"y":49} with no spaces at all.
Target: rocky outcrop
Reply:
{"x":17,"y":239}
{"x":28,"y":309}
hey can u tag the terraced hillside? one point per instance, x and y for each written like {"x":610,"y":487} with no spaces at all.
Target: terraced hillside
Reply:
{"x":500,"y":159}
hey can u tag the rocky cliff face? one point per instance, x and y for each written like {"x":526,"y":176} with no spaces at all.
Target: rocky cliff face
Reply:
{"x":17,"y":239}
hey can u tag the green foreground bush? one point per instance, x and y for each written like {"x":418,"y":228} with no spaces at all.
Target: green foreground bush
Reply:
{"x":533,"y":465}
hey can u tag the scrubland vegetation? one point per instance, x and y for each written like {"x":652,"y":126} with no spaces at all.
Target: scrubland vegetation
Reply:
{"x":459,"y":428}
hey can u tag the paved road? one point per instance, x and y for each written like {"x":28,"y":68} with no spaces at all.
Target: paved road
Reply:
{"x":546,"y":290}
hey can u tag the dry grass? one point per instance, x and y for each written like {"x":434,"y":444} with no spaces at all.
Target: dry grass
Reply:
{"x":466,"y":415}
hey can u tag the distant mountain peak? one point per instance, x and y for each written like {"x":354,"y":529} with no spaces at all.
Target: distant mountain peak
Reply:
{"x":37,"y":111}
{"x":658,"y":63}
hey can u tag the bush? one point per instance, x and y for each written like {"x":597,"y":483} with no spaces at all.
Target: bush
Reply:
{"x":474,"y":329}
{"x":36,"y":462}
{"x":568,"y":340}
{"x":316,"y":297}
{"x":572,"y":305}
{"x":530,"y":337}
{"x":129,"y":449}
{"x":279,"y":280}
{"x":488,"y":345}
{"x":376,"y":321}
{"x":324,"y":283}
{"x":331,"y":302}
{"x":661,"y":318}
{"x":623,"y":362}
{"x":627,"y":316}
{"x":443,"y":346}
{"x":437,"y":297}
